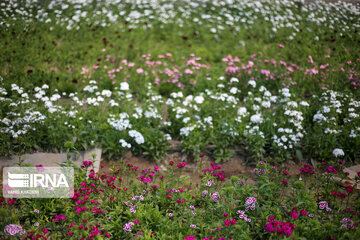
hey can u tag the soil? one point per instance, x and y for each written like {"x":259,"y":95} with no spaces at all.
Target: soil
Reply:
{"x":234,"y":167}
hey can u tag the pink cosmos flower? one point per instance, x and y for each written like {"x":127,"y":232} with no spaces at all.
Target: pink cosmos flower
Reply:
{"x":324,"y":66}
{"x":139,"y":70}
{"x":311,"y":60}
{"x":265,"y":72}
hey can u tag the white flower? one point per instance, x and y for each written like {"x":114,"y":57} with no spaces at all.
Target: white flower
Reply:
{"x":124,"y":86}
{"x":326,"y":109}
{"x":233,"y":79}
{"x":199,"y":99}
{"x":252,"y":83}
{"x":234,"y":90}
{"x":139,"y":139}
{"x":256,"y":118}
{"x":106,"y":93}
{"x":242,"y":111}
{"x":124,"y":144}
{"x":208,"y":120}
{"x":185,"y":120}
{"x":303,"y":103}
{"x":338,"y":152}
{"x":266,"y":104}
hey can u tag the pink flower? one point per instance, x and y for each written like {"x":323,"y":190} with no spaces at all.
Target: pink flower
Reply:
{"x":227,"y":222}
{"x":265,"y":72}
{"x":294,"y":214}
{"x":181,"y":165}
{"x":281,"y":46}
{"x":136,"y":221}
{"x":311,"y":60}
{"x":188,"y":71}
{"x":303,"y":212}
{"x":331,"y":169}
{"x":190,"y":238}
{"x":324,"y":66}
{"x":139,"y":70}
{"x":180,"y":201}
{"x":40,"y":167}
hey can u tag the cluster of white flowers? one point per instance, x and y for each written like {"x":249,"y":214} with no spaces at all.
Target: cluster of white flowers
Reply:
{"x":124,"y":144}
{"x":20,"y":124}
{"x":290,"y":132}
{"x":335,"y":104}
{"x":288,"y":15}
{"x":337,"y":152}
{"x":139,"y":139}
{"x":120,"y":124}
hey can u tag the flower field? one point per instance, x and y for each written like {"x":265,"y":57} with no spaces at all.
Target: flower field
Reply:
{"x":275,"y":82}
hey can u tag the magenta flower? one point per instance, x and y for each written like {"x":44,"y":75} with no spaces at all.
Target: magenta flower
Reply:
{"x":303,"y":212}
{"x":331,"y":169}
{"x":59,"y":217}
{"x":190,"y":238}
{"x":227,"y":222}
{"x":294,"y":215}
{"x":40,"y":167}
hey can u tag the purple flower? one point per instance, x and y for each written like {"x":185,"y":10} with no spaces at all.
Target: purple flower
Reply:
{"x":127,"y":227}
{"x":323,"y":204}
{"x":250,"y":203}
{"x":13,"y":229}
{"x":215,"y":196}
{"x":204,"y":193}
